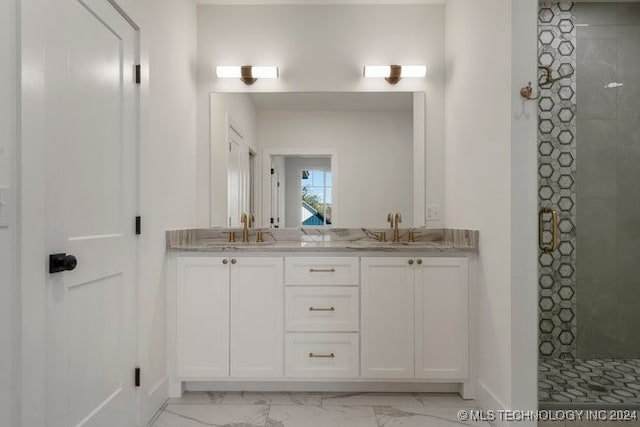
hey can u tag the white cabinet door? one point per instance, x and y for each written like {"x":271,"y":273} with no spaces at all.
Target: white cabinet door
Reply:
{"x":442,"y":322}
{"x":257,"y":288}
{"x":202,"y":317}
{"x":387,"y":318}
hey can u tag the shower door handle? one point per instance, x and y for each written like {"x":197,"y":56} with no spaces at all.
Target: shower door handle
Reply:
{"x":553,"y":245}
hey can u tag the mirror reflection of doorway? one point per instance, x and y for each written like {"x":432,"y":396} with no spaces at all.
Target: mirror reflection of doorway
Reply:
{"x":315,"y":197}
{"x":302,"y":191}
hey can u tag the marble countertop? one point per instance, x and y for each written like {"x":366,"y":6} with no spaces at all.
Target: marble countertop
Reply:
{"x":302,"y":240}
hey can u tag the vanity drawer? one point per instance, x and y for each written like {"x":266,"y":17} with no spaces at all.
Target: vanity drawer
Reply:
{"x":321,"y":356}
{"x":322,"y":309}
{"x":342,"y":271}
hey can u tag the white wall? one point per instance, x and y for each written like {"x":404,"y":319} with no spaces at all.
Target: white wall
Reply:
{"x":168,"y":45}
{"x":9,"y":301}
{"x":375,"y":165}
{"x":315,"y":56}
{"x":168,"y":166}
{"x":524,"y":205}
{"x":490,"y":185}
{"x":241,"y":110}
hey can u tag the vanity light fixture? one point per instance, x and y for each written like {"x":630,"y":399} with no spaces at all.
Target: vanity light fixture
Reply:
{"x":393,"y":73}
{"x":247,"y":73}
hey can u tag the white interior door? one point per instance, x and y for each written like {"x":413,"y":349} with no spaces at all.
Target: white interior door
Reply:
{"x":238,"y":176}
{"x":91,"y":152}
{"x":275,"y":198}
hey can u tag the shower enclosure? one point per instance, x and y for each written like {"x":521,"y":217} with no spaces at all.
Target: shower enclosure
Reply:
{"x":589,"y":200}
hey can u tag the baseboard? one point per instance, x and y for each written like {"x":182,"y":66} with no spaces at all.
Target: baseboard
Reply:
{"x":487,"y":401}
{"x":319,"y":386}
{"x":157,"y":396}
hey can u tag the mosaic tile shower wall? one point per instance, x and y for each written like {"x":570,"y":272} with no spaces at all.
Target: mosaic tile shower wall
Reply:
{"x":556,"y":178}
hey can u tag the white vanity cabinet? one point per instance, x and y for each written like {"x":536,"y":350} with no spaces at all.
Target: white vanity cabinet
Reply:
{"x":415,"y":318}
{"x":292,"y":318}
{"x":321,"y":311}
{"x":229,"y":317}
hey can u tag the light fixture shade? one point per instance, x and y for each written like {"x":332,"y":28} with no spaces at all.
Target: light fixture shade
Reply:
{"x":413,"y":71}
{"x":228,"y":71}
{"x":395,"y":71}
{"x":257,"y":72}
{"x":377,"y":71}
{"x":263,"y":72}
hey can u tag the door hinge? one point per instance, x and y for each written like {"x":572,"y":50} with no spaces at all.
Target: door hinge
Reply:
{"x":272,"y":221}
{"x":229,"y":147}
{"x":278,"y":185}
{"x":137,"y":377}
{"x":273,"y":171}
{"x":138,"y":225}
{"x":137,"y":74}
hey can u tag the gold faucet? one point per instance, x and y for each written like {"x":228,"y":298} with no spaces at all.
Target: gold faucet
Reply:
{"x":396,"y":232}
{"x":244,"y":219}
{"x":390,"y":220}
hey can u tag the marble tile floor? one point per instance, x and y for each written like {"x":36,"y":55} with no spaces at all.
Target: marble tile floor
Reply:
{"x":255,"y":409}
{"x":603,"y":383}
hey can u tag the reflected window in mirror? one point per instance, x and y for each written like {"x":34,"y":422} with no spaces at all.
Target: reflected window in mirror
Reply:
{"x":316,"y":198}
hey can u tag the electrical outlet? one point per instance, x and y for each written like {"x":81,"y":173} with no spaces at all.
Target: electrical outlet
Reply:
{"x":433,"y":213}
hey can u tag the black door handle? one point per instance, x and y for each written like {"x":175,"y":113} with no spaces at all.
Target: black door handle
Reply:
{"x":62,"y":262}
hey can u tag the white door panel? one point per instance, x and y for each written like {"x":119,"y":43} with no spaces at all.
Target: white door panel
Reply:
{"x":91,"y":151}
{"x":442,"y":319}
{"x":203,"y":317}
{"x":257,"y":317}
{"x":387,"y":318}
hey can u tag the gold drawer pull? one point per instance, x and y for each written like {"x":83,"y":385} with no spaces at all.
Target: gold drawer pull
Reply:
{"x":322,"y":309}
{"x":322,"y":270}
{"x":322,"y":356}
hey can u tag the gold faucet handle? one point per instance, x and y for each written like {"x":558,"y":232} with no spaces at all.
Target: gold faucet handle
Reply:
{"x":398,"y":219}
{"x":383,"y":236}
{"x":244,"y":218}
{"x":412,"y":235}
{"x":232,"y":236}
{"x":259,"y":236}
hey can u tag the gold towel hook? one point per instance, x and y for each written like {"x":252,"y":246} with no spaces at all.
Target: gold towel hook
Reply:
{"x":527,"y":93}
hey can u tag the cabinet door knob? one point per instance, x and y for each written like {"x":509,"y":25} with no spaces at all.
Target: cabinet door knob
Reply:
{"x":233,"y":261}
{"x":419,"y":262}
{"x":225,"y":261}
{"x":410,"y":262}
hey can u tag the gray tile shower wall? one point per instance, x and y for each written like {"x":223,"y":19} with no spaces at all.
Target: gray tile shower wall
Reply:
{"x":608,"y":177}
{"x":557,"y":178}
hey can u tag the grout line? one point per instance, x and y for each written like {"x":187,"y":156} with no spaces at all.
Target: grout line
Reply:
{"x":157,"y":414}
{"x":266,"y":420}
{"x":375,"y":415}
